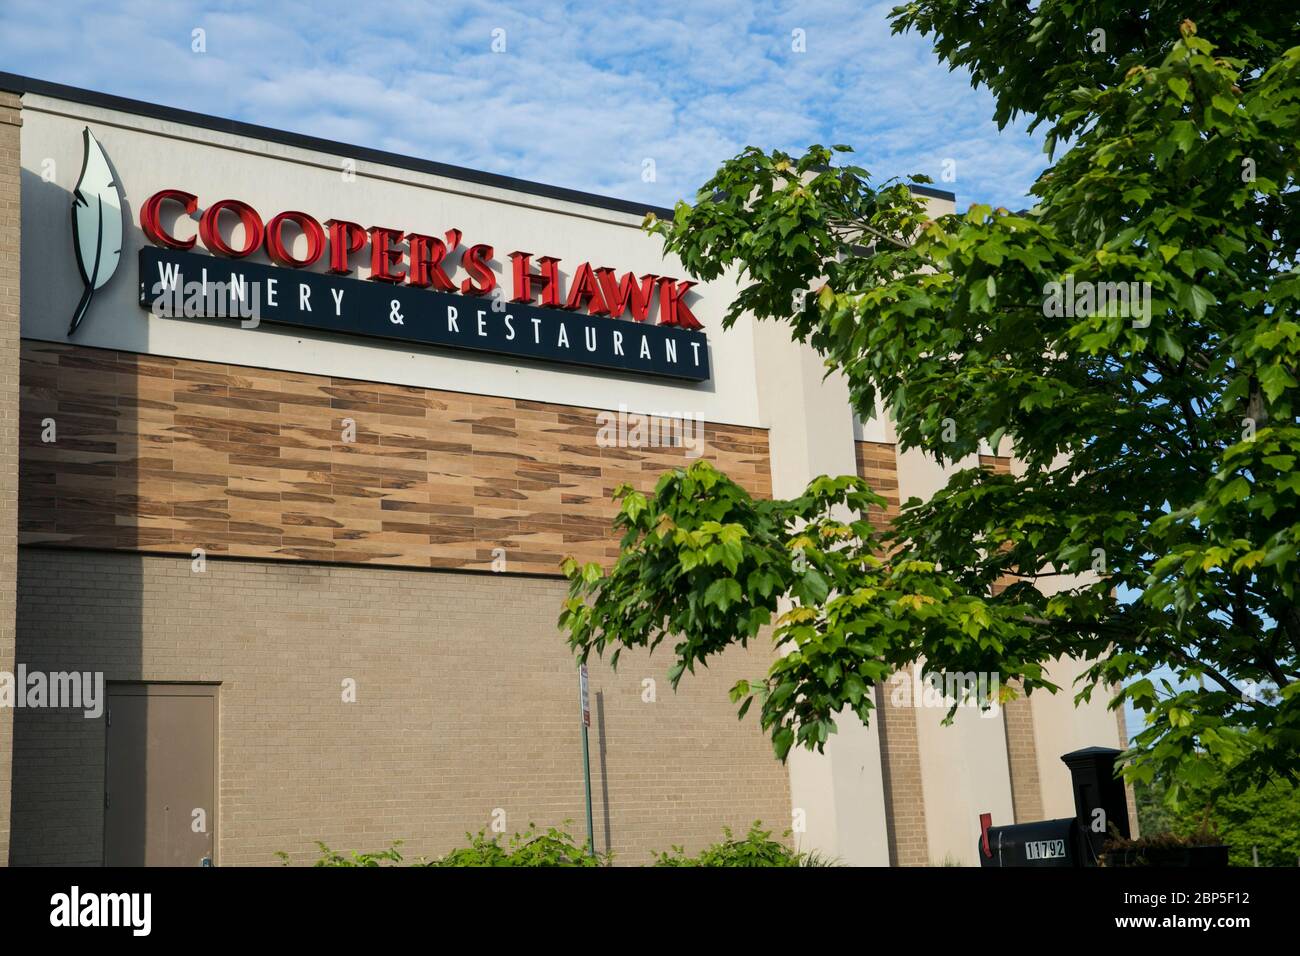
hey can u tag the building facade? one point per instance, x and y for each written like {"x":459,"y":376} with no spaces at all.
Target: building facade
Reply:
{"x":311,"y":545}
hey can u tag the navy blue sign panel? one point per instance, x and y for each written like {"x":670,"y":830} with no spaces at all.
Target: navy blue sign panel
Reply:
{"x":186,"y":285}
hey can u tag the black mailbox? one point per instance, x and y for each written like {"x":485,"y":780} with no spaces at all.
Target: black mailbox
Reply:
{"x":1100,"y":801}
{"x":1043,"y":843}
{"x":1100,"y":804}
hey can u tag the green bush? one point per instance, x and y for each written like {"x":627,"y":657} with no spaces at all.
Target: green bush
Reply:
{"x":552,"y":848}
{"x":756,"y":849}
{"x":330,"y":857}
{"x":556,"y":847}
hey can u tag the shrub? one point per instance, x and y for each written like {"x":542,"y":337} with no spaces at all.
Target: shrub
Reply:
{"x":552,"y":848}
{"x":556,"y":847}
{"x":531,"y":848}
{"x":756,"y":849}
{"x":330,"y":857}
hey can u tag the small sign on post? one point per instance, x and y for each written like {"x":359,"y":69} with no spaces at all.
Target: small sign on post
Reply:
{"x":582,"y":689}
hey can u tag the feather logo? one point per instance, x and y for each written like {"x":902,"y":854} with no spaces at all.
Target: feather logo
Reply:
{"x":96,"y":224}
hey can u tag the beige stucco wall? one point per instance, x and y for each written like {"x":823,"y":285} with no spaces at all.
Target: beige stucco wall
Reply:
{"x":964,"y":766}
{"x":149,"y":155}
{"x":1060,"y":727}
{"x":964,"y":772}
{"x":840,"y":791}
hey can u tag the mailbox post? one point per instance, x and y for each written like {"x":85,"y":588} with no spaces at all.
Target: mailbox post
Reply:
{"x":1100,"y":801}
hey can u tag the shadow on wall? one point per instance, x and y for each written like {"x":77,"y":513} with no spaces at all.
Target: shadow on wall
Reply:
{"x":60,"y":754}
{"x":604,"y":771}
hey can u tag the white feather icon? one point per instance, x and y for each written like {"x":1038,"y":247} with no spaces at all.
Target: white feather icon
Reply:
{"x":96,"y":224}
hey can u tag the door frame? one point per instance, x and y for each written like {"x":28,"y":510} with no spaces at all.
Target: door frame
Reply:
{"x":168,"y":688}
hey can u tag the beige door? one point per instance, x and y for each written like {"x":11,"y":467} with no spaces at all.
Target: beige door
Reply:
{"x":160,"y":775}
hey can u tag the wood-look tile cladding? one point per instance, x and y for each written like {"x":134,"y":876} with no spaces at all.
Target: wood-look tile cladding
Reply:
{"x":167,"y":455}
{"x":998,"y":464}
{"x":878,"y":464}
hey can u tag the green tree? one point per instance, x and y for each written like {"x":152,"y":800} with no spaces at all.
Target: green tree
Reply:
{"x":1157,"y":433}
{"x":1263,"y":820}
{"x":1153,"y":814}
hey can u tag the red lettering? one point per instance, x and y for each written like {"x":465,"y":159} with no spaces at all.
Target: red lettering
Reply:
{"x":548,"y":279}
{"x":279,"y":252}
{"x":476,"y":264}
{"x":672,"y":310}
{"x":624,"y":295}
{"x":585,"y":287}
{"x":385,"y":261}
{"x":345,"y":239}
{"x":210,"y":228}
{"x":427,"y":255}
{"x":151,"y":224}
{"x":600,"y":291}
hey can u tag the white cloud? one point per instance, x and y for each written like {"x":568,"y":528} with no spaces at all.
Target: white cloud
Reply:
{"x":583,"y":94}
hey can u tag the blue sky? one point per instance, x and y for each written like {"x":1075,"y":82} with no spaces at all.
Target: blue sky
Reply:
{"x":583,"y":94}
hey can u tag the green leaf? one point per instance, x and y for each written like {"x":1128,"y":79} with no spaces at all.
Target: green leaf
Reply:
{"x":1274,"y":380}
{"x":722,"y":593}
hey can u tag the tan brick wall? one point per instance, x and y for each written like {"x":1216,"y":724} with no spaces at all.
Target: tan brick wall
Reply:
{"x":1018,"y":719}
{"x":10,"y":186}
{"x":168,"y":455}
{"x":900,"y":753}
{"x":878,"y":464}
{"x":467,"y":702}
{"x":900,"y":761}
{"x":1022,"y":759}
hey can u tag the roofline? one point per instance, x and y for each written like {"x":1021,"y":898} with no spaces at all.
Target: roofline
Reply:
{"x":15,"y":83}
{"x":933,"y":193}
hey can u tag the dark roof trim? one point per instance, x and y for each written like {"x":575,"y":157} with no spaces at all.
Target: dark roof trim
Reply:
{"x":14,"y":83}
{"x":932,"y":192}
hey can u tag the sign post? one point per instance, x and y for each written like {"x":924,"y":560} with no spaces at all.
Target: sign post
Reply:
{"x":586,"y":753}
